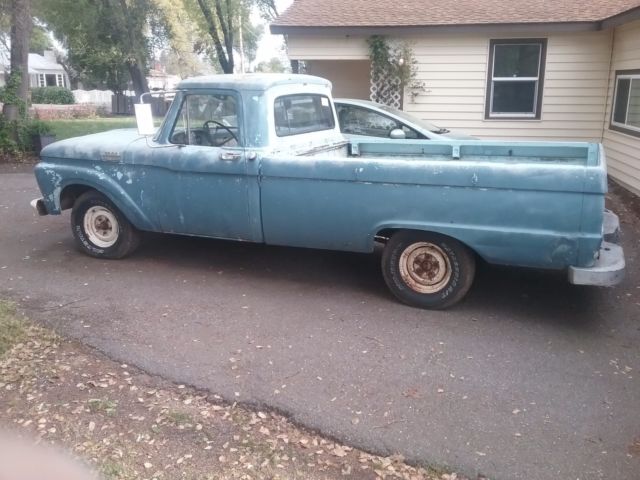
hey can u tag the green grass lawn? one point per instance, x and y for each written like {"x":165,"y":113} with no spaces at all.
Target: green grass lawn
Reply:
{"x":84,"y":126}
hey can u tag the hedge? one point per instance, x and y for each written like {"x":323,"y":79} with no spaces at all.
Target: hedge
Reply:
{"x":52,"y":95}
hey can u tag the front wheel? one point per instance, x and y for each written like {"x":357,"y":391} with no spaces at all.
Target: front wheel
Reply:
{"x":427,"y":270}
{"x":100,"y":229}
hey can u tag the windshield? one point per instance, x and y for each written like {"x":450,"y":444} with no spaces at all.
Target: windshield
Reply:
{"x":410,"y":118}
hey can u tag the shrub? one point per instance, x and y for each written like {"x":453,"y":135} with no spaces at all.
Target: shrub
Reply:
{"x":37,"y":127}
{"x":8,"y":146}
{"x":16,"y":145}
{"x":52,"y":95}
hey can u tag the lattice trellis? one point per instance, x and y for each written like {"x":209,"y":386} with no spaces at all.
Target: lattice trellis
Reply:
{"x":385,"y":88}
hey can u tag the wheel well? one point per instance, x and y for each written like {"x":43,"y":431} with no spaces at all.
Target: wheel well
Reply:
{"x":386,"y":233}
{"x":70,"y":193}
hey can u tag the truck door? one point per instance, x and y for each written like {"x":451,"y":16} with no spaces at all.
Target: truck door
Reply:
{"x":206,"y":180}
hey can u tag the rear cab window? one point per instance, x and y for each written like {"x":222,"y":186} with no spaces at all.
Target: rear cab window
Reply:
{"x":302,"y":113}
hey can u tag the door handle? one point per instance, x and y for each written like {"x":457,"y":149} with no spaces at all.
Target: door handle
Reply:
{"x":230,"y":156}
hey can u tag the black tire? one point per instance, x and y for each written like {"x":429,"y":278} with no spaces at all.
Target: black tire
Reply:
{"x":112,"y":237}
{"x":427,"y":270}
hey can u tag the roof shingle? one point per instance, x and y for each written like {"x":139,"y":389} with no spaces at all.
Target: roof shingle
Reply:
{"x":383,"y":13}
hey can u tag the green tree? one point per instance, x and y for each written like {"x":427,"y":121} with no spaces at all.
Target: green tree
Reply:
{"x":15,"y":96}
{"x":268,"y":9}
{"x":40,"y":40}
{"x":272,"y":66}
{"x":107,"y":40}
{"x":181,"y":44}
{"x":5,"y":25}
{"x":225,"y":23}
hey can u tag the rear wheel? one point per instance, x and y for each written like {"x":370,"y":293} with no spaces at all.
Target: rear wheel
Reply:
{"x":427,"y":270}
{"x":100,"y":229}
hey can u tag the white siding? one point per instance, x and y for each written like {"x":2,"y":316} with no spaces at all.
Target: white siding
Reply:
{"x":327,"y":48}
{"x":454,"y":70}
{"x":350,"y":78}
{"x":623,"y":151}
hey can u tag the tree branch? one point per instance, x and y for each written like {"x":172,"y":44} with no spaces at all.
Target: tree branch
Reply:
{"x":213,"y":32}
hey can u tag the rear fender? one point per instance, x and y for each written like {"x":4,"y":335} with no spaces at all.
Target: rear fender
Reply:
{"x":500,"y":245}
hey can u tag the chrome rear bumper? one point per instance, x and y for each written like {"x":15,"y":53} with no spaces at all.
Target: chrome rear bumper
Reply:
{"x":610,"y":265}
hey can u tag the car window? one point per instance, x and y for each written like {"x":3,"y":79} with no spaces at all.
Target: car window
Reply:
{"x":208,"y":120}
{"x":304,"y":113}
{"x":362,"y":121}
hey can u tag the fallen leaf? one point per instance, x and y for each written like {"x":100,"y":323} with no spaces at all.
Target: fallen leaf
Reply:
{"x":339,"y":451}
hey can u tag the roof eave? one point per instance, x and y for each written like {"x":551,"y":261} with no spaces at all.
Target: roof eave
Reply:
{"x":494,"y":28}
{"x":621,"y":18}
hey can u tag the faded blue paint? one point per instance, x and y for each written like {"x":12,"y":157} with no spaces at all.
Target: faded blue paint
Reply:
{"x":532,"y":204}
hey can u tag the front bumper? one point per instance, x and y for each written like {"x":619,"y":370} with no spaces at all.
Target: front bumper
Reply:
{"x":39,"y":206}
{"x":609,"y":267}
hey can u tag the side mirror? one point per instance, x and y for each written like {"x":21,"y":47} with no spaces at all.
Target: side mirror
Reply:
{"x":397,"y":134}
{"x":144,"y":119}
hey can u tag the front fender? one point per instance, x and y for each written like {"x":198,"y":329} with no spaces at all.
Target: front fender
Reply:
{"x":54,"y":178}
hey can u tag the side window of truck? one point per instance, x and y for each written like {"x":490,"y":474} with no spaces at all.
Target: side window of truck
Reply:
{"x":207,"y":120}
{"x":302,"y":113}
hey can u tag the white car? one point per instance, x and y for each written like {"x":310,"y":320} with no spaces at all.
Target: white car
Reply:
{"x":370,"y":119}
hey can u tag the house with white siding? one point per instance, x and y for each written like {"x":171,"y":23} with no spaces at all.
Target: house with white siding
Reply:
{"x":506,"y":69}
{"x":44,"y":70}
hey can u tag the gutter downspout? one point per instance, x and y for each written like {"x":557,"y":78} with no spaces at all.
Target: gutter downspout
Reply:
{"x":609,"y":83}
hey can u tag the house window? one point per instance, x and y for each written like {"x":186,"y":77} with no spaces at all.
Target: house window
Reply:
{"x":42,"y":81}
{"x":59,"y":80}
{"x":516,"y":77}
{"x":625,"y":115}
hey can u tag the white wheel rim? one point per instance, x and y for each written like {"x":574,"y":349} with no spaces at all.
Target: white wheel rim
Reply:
{"x":101,"y":227}
{"x":425,"y":267}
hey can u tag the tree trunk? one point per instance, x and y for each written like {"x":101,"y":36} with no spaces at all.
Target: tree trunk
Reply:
{"x":18,"y":80}
{"x":137,"y":67}
{"x":225,"y":57}
{"x":138,"y":79}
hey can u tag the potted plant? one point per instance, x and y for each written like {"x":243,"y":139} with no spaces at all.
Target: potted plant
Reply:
{"x":41,"y":135}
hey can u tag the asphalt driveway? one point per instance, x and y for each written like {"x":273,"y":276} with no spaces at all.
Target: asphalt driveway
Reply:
{"x":529,"y":378}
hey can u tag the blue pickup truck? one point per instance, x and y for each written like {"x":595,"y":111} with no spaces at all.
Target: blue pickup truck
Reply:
{"x":260,"y":158}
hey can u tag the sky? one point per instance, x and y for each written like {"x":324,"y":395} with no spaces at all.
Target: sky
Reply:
{"x":272,"y":45}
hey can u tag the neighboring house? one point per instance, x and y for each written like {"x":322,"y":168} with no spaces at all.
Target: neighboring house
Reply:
{"x":525,"y":69}
{"x":44,"y":71}
{"x":158,"y":79}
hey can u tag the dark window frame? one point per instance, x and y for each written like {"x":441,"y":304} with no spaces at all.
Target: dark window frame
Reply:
{"x":541,"y":73}
{"x":618,"y":127}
